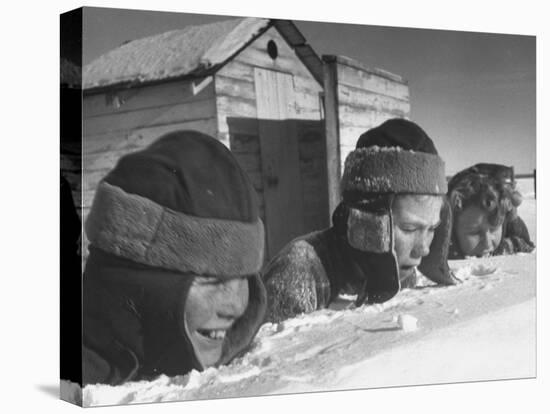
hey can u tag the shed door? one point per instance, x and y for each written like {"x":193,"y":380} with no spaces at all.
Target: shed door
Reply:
{"x":279,"y":155}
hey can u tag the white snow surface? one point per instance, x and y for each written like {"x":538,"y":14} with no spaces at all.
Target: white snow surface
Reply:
{"x":482,"y":329}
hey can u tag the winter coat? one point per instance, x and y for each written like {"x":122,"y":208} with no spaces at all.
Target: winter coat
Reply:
{"x":132,"y":322}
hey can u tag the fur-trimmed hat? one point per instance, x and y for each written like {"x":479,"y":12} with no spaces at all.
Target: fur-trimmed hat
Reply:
{"x":183,"y":203}
{"x":397,"y":157}
{"x":394,"y":158}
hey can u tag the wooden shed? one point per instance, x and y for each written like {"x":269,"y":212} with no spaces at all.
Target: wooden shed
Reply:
{"x":252,"y":83}
{"x":257,"y":86}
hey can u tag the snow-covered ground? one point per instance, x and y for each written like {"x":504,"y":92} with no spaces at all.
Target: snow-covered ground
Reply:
{"x":482,"y":329}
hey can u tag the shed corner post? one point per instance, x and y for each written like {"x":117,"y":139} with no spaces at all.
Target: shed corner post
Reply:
{"x":332,"y":134}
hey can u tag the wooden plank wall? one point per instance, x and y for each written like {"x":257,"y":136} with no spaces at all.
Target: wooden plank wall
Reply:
{"x":332,"y":132}
{"x":313,"y":171}
{"x":237,"y":110}
{"x":125,"y":121}
{"x":366,"y":97}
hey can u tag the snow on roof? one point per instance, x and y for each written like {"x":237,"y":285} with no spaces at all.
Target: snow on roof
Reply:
{"x":172,"y":54}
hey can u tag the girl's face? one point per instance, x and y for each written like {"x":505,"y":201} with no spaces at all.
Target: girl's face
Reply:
{"x":475,"y":235}
{"x":211,"y":309}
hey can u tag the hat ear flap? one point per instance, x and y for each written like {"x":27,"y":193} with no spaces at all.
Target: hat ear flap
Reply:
{"x":434,"y":266}
{"x":370,"y":231}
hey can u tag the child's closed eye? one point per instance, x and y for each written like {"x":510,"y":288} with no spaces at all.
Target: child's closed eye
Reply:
{"x":408,"y":229}
{"x":201,"y":280}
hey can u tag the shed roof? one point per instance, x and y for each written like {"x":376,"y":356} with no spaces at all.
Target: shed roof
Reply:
{"x":190,"y":51}
{"x":171,"y":54}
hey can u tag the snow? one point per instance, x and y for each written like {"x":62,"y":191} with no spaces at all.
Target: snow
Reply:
{"x":482,"y":329}
{"x":526,"y":187}
{"x":171,"y":54}
{"x":408,"y":323}
{"x":508,"y":352}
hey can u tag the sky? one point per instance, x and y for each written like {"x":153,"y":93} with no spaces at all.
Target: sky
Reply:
{"x":473,"y":93}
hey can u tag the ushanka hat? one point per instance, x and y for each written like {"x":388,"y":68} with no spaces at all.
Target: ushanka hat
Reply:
{"x":184,"y":204}
{"x":395,"y":158}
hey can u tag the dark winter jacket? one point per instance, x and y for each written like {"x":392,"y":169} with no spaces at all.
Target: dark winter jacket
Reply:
{"x":132,"y":324}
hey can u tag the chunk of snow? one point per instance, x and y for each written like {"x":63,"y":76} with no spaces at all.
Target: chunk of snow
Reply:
{"x":197,"y":379}
{"x":488,"y":286}
{"x":463,"y":273}
{"x":484,"y":269}
{"x":407,"y":323}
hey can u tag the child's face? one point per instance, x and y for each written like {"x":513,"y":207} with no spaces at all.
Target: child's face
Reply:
{"x":211,"y":308}
{"x":475,"y":235}
{"x":415,"y":219}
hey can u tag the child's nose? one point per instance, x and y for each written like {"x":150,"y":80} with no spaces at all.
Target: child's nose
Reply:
{"x":422,"y":246}
{"x":486,"y":241}
{"x":234,"y":299}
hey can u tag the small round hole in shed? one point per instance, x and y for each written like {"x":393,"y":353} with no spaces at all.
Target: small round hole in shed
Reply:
{"x":272,"y":49}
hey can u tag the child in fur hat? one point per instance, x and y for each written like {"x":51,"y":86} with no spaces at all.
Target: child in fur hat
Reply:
{"x":172,"y":280}
{"x":393,"y":219}
{"x":484,"y":201}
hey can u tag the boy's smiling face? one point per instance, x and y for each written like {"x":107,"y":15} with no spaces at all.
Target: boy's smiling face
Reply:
{"x":415,"y":219}
{"x":211,"y":309}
